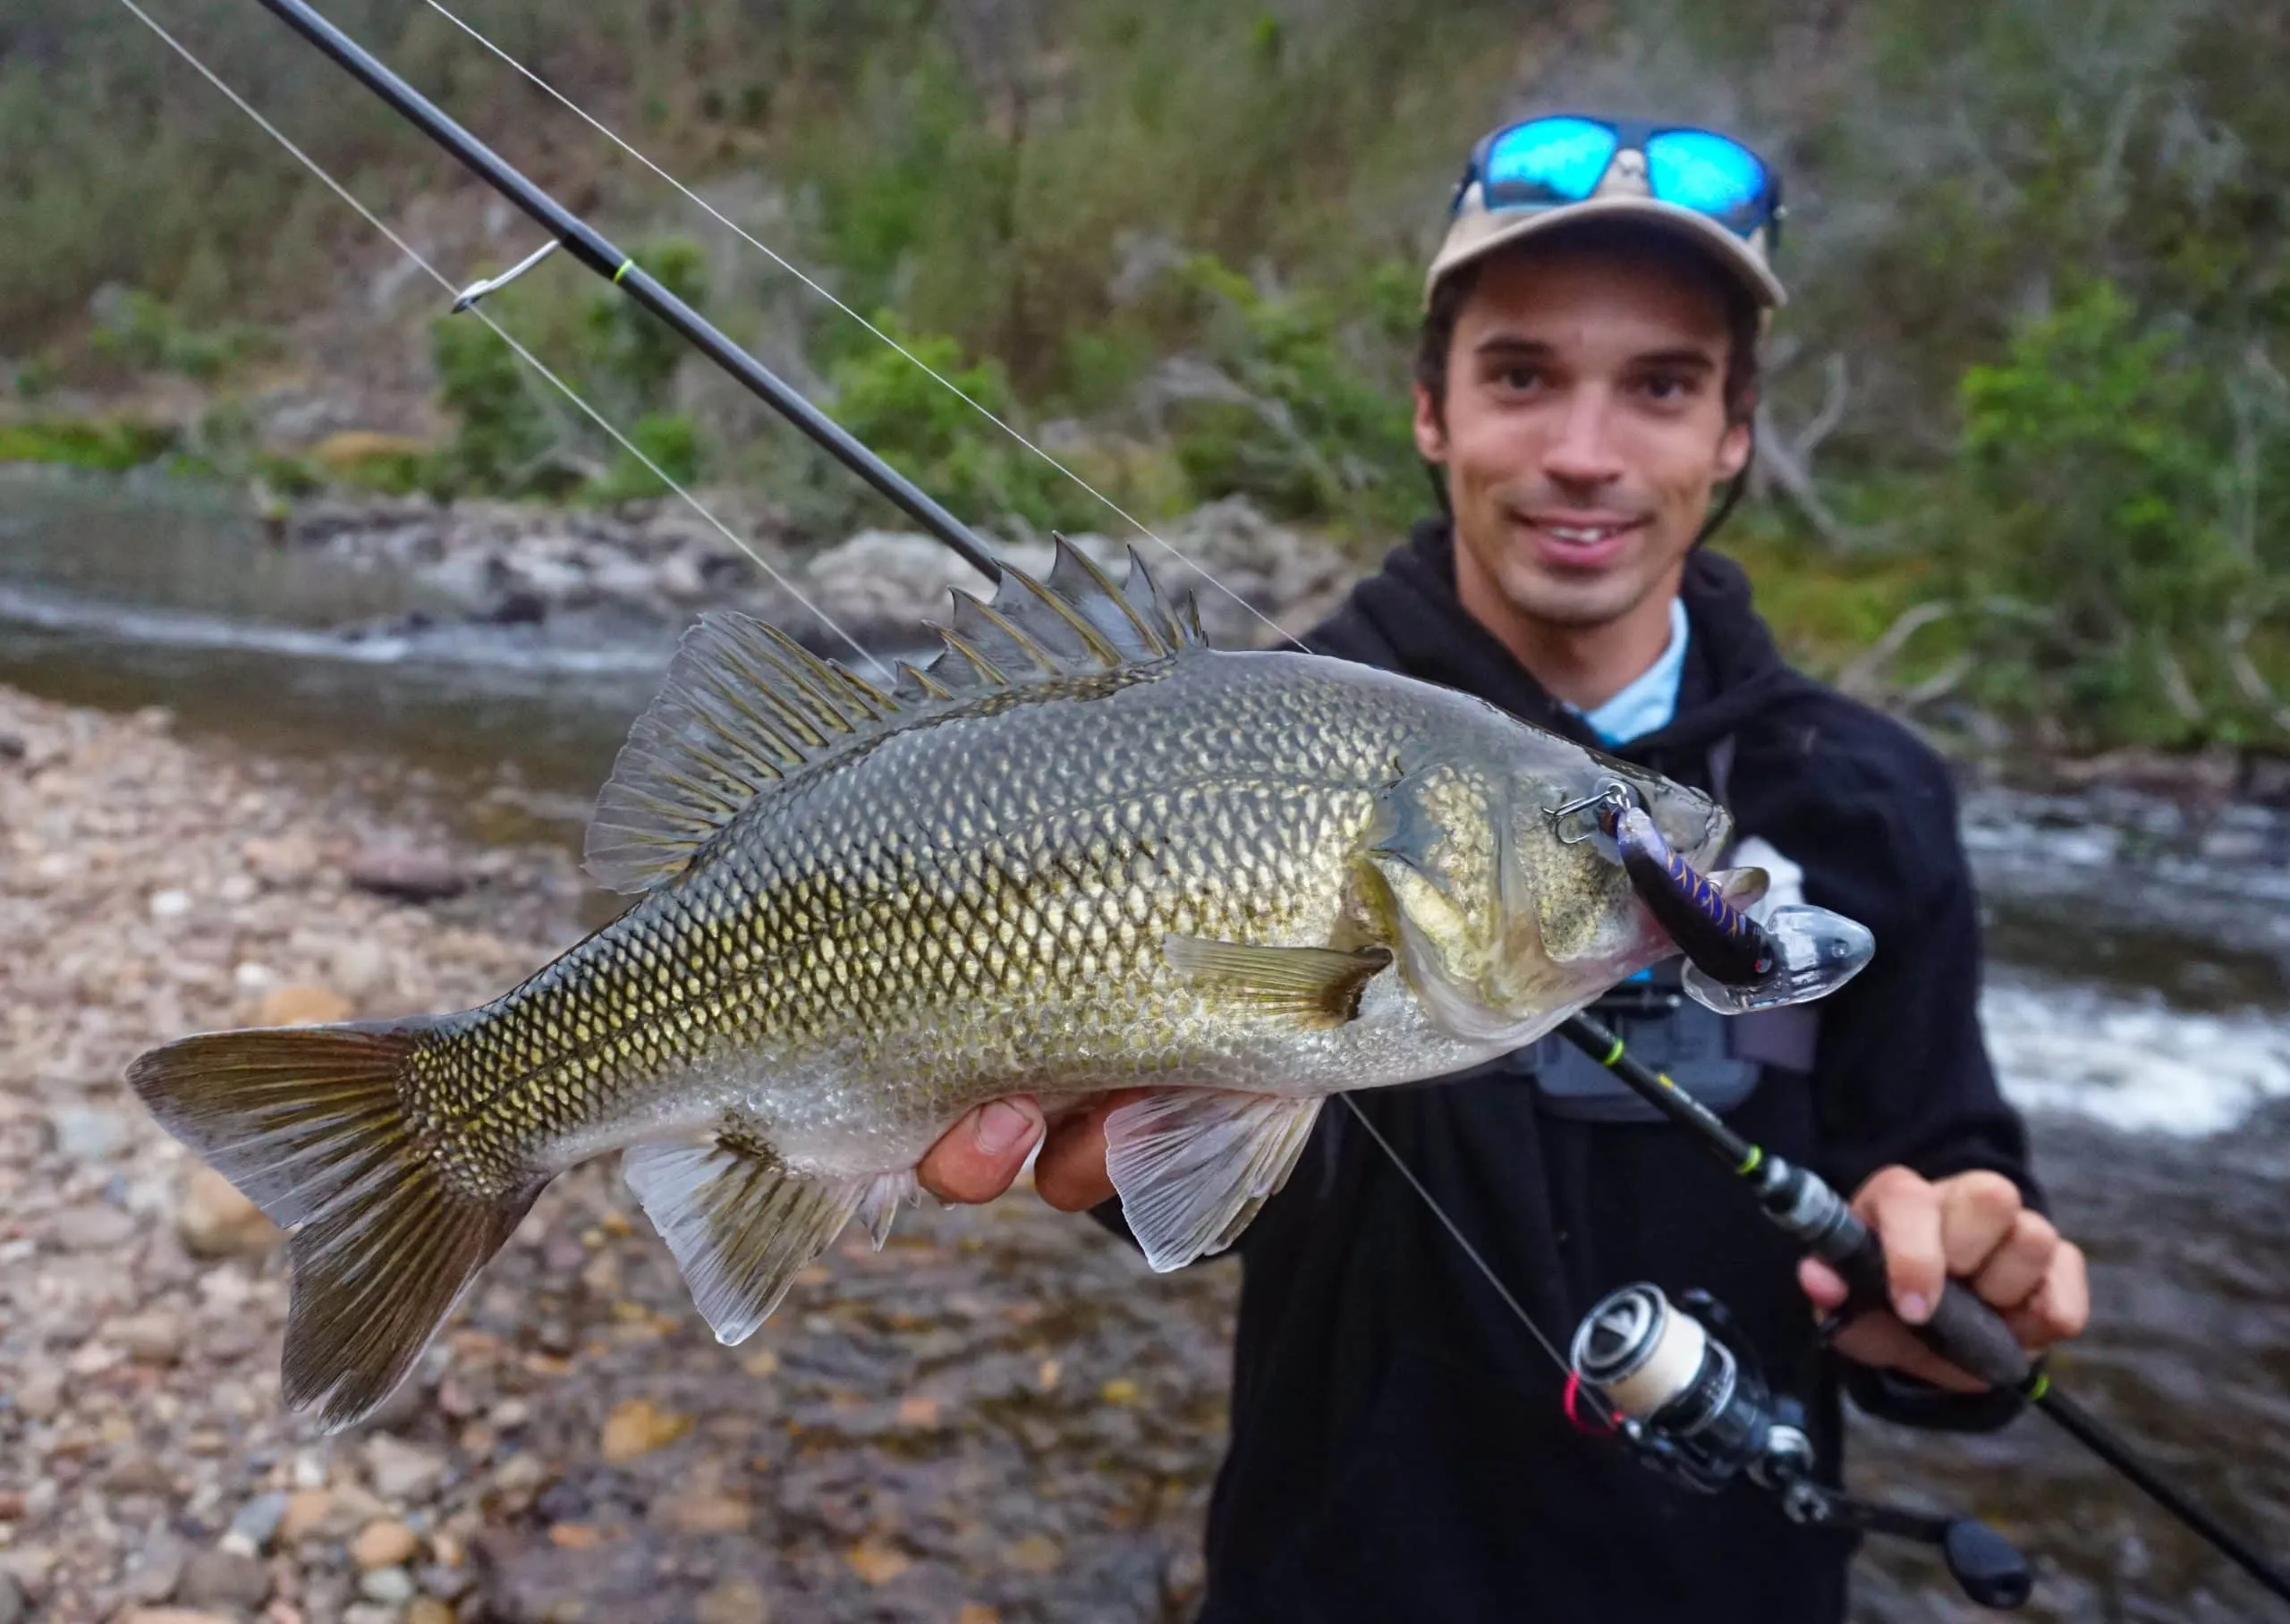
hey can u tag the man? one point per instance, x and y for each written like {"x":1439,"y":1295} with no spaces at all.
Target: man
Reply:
{"x":1399,"y":1448}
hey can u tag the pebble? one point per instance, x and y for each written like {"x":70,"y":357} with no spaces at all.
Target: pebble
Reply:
{"x":216,"y":1220}
{"x":399,"y":1470}
{"x":84,"y":1134}
{"x":91,"y":1229}
{"x":384,"y":1544}
{"x":153,"y":1337}
{"x":407,"y":874}
{"x":223,"y":1579}
{"x":258,"y":1522}
{"x":173,"y":1615}
{"x":15,"y":1606}
{"x":393,"y":1585}
{"x":306,"y":1512}
{"x":170,"y":904}
{"x":638,"y":1427}
{"x":157,"y":1569}
{"x":299,"y":1005}
{"x":369,"y":1613}
{"x":733,"y":1602}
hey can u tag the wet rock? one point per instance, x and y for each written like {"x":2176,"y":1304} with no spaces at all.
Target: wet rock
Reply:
{"x":384,"y":1544}
{"x":214,"y":1221}
{"x":399,"y":1470}
{"x":733,"y":1602}
{"x":405,"y":874}
{"x":302,"y":1006}
{"x":222,"y":1579}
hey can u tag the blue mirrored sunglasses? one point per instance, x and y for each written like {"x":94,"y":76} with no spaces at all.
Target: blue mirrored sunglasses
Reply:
{"x":1562,"y":159}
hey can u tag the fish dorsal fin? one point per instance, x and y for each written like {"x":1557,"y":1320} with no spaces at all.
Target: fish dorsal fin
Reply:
{"x":745,"y":707}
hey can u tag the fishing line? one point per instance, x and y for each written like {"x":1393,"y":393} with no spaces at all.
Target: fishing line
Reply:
{"x":1803,"y":1205}
{"x":527,"y":356}
{"x":796,"y":271}
{"x":374,"y":220}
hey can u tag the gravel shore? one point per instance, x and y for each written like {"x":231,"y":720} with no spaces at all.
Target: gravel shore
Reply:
{"x":1003,"y":1417}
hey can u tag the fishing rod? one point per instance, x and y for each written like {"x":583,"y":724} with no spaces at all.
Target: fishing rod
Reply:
{"x":1734,"y":963}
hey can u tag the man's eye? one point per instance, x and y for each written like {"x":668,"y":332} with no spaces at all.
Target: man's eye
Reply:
{"x":1518,"y":378}
{"x":1666,"y":386}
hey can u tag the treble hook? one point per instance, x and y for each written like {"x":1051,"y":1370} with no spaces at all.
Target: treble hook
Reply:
{"x":1611,"y":799}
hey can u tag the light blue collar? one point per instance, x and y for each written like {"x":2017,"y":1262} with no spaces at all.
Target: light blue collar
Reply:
{"x":1648,"y":703}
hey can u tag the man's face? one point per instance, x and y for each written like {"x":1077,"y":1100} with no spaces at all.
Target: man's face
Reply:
{"x":1584,"y":428}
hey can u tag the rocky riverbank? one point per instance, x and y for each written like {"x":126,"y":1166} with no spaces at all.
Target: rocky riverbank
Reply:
{"x":660,"y":562}
{"x":1003,"y":1417}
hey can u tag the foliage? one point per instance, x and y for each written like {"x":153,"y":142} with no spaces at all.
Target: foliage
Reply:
{"x":924,"y":430}
{"x":2129,"y":533}
{"x":109,"y":445}
{"x":138,"y":330}
{"x":1308,"y":413}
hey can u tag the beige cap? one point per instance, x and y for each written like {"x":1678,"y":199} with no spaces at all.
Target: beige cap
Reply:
{"x":1623,"y":194}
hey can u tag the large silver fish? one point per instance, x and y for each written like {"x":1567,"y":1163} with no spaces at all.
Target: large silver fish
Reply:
{"x":1080,"y":852}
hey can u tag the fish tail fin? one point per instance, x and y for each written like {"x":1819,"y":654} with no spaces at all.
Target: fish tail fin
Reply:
{"x":741,"y":1225}
{"x":310,"y":1123}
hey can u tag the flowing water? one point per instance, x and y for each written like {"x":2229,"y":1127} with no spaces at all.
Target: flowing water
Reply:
{"x":2138,"y":1002}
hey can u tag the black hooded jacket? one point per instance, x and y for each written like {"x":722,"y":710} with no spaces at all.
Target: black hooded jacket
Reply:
{"x":1398,"y":1449}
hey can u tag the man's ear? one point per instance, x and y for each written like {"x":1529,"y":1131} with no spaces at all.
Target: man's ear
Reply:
{"x":1733,"y":448}
{"x":1430,"y":429}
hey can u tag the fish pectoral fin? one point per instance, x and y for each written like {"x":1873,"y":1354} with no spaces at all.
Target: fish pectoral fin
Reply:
{"x":740,"y":1224}
{"x":1741,"y":887}
{"x":1193,"y":1166}
{"x":1317,"y":984}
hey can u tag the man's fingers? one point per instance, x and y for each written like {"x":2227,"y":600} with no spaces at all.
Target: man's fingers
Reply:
{"x":1979,"y":1212}
{"x":1070,"y":1173}
{"x":1905,"y":1213}
{"x":2020,"y":1262}
{"x":976,"y":1159}
{"x":1876,"y":1339}
{"x":2060,"y":1307}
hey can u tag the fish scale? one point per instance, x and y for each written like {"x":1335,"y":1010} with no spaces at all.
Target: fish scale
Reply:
{"x":1080,"y":851}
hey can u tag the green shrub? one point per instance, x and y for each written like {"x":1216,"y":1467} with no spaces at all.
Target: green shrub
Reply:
{"x":2120,"y":526}
{"x":109,"y":446}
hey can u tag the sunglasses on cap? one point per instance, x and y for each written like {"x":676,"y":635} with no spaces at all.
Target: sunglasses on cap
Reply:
{"x":1563,"y":159}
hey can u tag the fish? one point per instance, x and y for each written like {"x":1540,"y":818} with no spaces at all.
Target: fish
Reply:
{"x":1079,"y":850}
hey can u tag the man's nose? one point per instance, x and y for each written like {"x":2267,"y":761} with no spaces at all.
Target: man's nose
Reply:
{"x":1583,"y":450}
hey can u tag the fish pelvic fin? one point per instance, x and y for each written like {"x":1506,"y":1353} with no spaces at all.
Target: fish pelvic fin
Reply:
{"x":1193,"y":1166}
{"x":740,"y":1224}
{"x":310,"y":1123}
{"x":745,"y":707}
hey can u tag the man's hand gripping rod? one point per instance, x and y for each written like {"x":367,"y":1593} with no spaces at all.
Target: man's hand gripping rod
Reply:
{"x":1735,"y":964}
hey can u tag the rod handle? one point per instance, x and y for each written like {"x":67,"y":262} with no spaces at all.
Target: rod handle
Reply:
{"x":1964,"y":1330}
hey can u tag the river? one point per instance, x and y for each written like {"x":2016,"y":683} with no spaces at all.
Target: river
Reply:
{"x":2138,"y":997}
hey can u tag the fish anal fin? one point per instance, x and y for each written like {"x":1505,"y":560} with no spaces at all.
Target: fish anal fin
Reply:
{"x":1194,"y":1166}
{"x":1316,"y":984}
{"x":311,"y":1124}
{"x":740,"y":1224}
